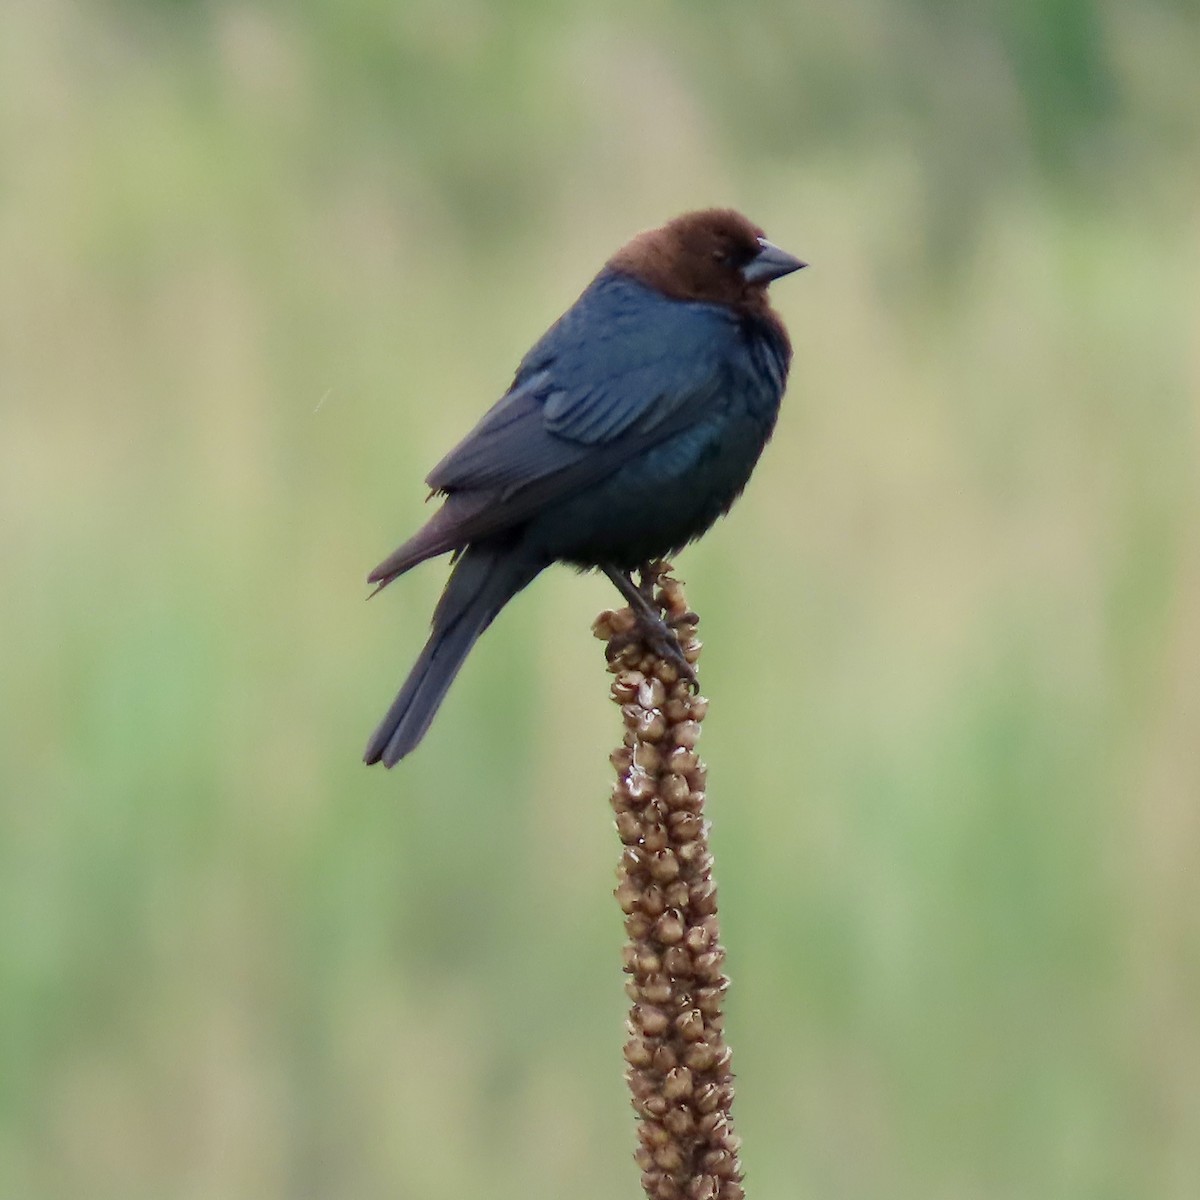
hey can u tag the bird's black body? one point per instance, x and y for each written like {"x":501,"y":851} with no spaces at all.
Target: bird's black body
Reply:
{"x":629,"y":428}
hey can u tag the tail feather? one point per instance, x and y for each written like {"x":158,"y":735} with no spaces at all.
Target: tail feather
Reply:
{"x":485,"y":578}
{"x":443,"y":532}
{"x":435,"y":537}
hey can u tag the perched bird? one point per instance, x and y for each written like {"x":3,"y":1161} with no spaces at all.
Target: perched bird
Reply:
{"x":629,"y":428}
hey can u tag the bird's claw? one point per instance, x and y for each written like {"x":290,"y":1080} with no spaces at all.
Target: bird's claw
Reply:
{"x":660,"y":639}
{"x":657,"y":634}
{"x":666,"y":646}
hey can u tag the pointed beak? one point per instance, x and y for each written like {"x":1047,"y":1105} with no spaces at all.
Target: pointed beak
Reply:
{"x":770,"y":263}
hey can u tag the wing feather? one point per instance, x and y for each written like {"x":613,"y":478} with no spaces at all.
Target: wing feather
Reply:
{"x":620,"y":369}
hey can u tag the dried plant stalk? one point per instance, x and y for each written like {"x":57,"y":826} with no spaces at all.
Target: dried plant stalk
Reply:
{"x":678,"y":1065}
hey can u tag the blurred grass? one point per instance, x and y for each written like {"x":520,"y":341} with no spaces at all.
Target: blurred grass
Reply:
{"x":261,"y":265}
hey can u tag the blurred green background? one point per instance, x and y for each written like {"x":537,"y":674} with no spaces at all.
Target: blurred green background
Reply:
{"x":261,"y":264}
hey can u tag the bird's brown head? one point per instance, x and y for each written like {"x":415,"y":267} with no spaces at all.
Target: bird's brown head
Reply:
{"x":715,"y":255}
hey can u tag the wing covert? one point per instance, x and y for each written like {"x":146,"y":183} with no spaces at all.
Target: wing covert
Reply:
{"x":623,"y":364}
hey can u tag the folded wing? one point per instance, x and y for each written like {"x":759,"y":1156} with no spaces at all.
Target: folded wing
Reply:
{"x":622,"y":369}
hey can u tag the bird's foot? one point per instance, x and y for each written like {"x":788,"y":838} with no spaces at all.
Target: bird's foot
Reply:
{"x":661,"y":641}
{"x":650,"y":629}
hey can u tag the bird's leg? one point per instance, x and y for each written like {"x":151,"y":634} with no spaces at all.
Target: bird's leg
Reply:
{"x":648,"y":577}
{"x":651,"y":627}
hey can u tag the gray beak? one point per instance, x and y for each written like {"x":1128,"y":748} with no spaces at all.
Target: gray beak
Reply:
{"x":770,"y":263}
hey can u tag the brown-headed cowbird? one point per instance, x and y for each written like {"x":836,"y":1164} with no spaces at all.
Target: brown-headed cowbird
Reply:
{"x":630,"y":427}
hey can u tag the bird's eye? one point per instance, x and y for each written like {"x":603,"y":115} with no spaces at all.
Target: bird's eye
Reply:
{"x":733,"y":255}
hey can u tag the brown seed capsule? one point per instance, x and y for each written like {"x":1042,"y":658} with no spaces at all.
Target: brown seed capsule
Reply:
{"x":653,"y":1021}
{"x":654,"y":840}
{"x":669,"y":1157}
{"x":646,"y":757}
{"x":653,"y":902}
{"x":631,"y":860}
{"x":665,"y":1059}
{"x":638,"y":926}
{"x":681,"y":760}
{"x":637,"y":1053}
{"x":669,"y":928}
{"x":658,"y":991}
{"x":708,"y":1098}
{"x":653,"y":1134}
{"x":722,"y":1164}
{"x":621,"y":758}
{"x":678,"y":1084}
{"x":652,"y":693}
{"x":690,"y":1025}
{"x":628,"y":895}
{"x":652,"y":726}
{"x":664,"y":866}
{"x":638,"y":784}
{"x":668,"y":672}
{"x":703,"y":898}
{"x":679,"y":1122}
{"x":685,"y":826}
{"x":624,"y":688}
{"x":677,"y":962}
{"x":647,"y":962}
{"x":673,"y":789}
{"x":629,"y":828}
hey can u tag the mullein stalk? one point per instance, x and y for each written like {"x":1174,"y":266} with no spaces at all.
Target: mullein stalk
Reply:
{"x":677,"y":1061}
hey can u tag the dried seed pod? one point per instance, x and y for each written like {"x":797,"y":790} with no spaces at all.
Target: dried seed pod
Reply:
{"x":659,"y":991}
{"x":651,"y":693}
{"x":629,"y":828}
{"x":652,"y":726}
{"x":678,"y":1065}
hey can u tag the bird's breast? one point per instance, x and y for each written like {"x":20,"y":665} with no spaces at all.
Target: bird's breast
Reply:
{"x":662,"y":497}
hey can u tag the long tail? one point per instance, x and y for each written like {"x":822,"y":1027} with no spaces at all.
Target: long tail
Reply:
{"x":485,"y":579}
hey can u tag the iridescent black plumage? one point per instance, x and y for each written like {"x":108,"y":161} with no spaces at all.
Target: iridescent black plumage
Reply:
{"x":630,"y":427}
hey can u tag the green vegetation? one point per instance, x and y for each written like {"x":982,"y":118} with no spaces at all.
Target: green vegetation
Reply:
{"x":261,"y":264}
